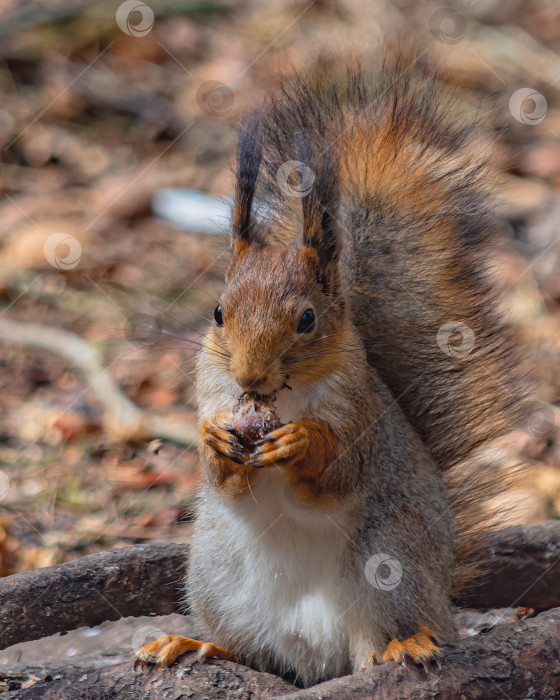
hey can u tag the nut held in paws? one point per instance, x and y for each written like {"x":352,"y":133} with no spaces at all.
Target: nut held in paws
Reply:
{"x":254,"y":417}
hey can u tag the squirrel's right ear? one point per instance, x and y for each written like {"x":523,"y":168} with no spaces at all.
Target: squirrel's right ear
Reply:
{"x":249,"y":156}
{"x":320,"y":229}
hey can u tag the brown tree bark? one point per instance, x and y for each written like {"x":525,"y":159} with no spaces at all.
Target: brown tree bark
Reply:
{"x":517,"y":660}
{"x":524,"y":571}
{"x":210,"y":681}
{"x":146,"y":579}
{"x":138,"y":580}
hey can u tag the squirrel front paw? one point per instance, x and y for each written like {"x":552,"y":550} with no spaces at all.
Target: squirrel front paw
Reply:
{"x":282,"y":447}
{"x":217,"y":433}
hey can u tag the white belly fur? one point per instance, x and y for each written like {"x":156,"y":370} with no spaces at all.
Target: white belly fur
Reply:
{"x":271,"y":564}
{"x":279,"y":576}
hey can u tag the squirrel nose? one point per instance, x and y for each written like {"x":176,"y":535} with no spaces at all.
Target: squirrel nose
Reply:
{"x":248,"y":382}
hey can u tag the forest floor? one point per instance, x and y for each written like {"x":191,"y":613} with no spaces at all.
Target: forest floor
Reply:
{"x":94,"y":121}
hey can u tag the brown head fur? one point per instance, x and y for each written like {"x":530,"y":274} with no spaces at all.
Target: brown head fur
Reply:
{"x":269,"y":287}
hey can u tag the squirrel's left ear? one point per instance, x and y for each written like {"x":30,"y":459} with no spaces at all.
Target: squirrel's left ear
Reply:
{"x":320,"y":230}
{"x":249,"y":156}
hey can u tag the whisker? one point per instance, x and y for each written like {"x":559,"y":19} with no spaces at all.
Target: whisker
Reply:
{"x":316,"y":340}
{"x":302,"y":358}
{"x":194,"y":330}
{"x":205,"y":291}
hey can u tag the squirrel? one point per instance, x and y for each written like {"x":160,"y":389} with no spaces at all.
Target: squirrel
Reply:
{"x":342,"y":537}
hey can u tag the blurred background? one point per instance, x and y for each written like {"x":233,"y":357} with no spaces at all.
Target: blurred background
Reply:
{"x":116,"y":122}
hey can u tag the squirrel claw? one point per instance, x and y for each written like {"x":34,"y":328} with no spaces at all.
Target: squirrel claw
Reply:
{"x":142,"y":664}
{"x":420,"y":648}
{"x":254,"y":459}
{"x":164,"y":650}
{"x":262,"y":440}
{"x":281,"y":447}
{"x":254,"y":462}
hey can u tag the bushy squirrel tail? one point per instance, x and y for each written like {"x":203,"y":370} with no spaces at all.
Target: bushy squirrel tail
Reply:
{"x":418,"y":227}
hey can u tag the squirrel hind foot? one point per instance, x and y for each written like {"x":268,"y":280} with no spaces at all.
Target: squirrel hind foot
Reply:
{"x":164,"y":650}
{"x":420,"y":648}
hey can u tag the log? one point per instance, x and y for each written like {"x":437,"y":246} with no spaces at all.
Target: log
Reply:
{"x":140,"y":580}
{"x":524,"y":571}
{"x":517,"y":660}
{"x":146,"y":579}
{"x":214,"y":680}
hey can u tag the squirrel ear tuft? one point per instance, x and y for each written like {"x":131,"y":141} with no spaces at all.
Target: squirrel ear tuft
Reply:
{"x":320,"y":205}
{"x":249,"y":156}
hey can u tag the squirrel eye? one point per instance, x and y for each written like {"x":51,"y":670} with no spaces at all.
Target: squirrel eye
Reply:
{"x":306,"y":322}
{"x":218,"y":316}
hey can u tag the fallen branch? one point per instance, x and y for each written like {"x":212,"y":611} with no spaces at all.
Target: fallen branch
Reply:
{"x":147,"y":579}
{"x":138,"y":580}
{"x":122,"y":419}
{"x":525,"y":569}
{"x":214,"y":680}
{"x":515,"y":660}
